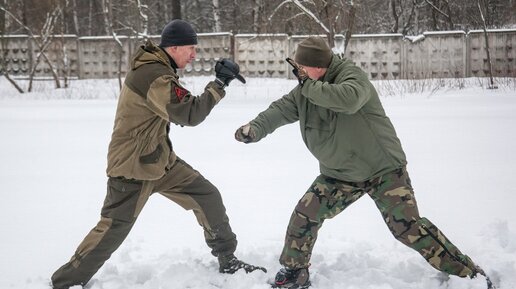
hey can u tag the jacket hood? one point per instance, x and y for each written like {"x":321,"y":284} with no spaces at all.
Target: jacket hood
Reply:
{"x":336,"y":66}
{"x":149,"y":53}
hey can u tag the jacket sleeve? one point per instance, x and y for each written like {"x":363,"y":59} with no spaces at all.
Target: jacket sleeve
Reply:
{"x":348,"y":94}
{"x":281,"y":112}
{"x":172,"y":102}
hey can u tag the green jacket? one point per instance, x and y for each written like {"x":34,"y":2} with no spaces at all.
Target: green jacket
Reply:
{"x":151,"y":98}
{"x":342,"y":123}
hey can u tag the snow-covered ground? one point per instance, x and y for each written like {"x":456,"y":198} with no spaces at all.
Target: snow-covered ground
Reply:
{"x":460,"y":144}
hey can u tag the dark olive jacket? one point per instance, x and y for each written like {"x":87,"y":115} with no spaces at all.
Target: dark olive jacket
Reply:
{"x":342,"y":123}
{"x":151,"y":98}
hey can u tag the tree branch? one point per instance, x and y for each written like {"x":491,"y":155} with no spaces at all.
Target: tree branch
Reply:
{"x":310,"y":14}
{"x":278,"y":8}
{"x":437,"y":9}
{"x":305,"y":10}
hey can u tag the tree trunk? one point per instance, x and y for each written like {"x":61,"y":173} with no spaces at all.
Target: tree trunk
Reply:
{"x":396,"y":17}
{"x":43,"y":42}
{"x":416,"y":17}
{"x":107,"y":9}
{"x":75,"y":18}
{"x":52,"y":70}
{"x":20,"y":90}
{"x":176,"y":9}
{"x":66,"y":68}
{"x":4,"y":52}
{"x":2,"y":18}
{"x":236,"y":16}
{"x":216,"y":15}
{"x":257,"y":15}
{"x":488,"y":54}
{"x":144,"y":18}
{"x":351,"y":25}
{"x":90,"y":19}
{"x":407,"y":25}
{"x":451,"y":26}
{"x":105,"y":12}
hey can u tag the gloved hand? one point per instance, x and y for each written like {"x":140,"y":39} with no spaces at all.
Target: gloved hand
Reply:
{"x":245,"y":134}
{"x":299,"y":72}
{"x":225,"y":71}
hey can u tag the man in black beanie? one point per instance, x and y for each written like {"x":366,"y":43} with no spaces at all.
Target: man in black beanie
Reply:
{"x":178,"y":32}
{"x":141,"y":160}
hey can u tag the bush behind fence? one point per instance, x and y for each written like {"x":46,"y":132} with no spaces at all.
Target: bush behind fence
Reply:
{"x":386,"y":56}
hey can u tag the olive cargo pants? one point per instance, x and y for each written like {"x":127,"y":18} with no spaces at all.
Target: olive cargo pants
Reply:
{"x":394,"y":197}
{"x":125,"y":200}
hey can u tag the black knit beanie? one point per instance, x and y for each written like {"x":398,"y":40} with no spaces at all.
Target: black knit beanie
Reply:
{"x":313,"y":52}
{"x":178,"y":33}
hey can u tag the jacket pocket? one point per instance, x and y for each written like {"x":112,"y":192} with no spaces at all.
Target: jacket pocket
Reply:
{"x":153,"y":157}
{"x":121,"y":199}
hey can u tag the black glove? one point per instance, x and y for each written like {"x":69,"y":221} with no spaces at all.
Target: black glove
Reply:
{"x":298,"y":71}
{"x":225,"y":71}
{"x":245,"y":134}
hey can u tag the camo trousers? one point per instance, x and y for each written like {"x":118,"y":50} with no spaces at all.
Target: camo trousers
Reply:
{"x":394,"y":197}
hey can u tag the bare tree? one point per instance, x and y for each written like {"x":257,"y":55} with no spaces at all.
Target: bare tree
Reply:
{"x":216,"y":15}
{"x":90,"y":18}
{"x":403,"y":15}
{"x":328,"y":15}
{"x":42,"y":41}
{"x":106,"y":12}
{"x":350,"y":24}
{"x":142,"y":12}
{"x":3,"y":48}
{"x":107,"y":7}
{"x":176,"y":9}
{"x":75,"y":17}
{"x":235,"y":16}
{"x":441,"y":7}
{"x":64,"y":51}
{"x":258,"y":7}
{"x":3,"y":63}
{"x":489,"y":62}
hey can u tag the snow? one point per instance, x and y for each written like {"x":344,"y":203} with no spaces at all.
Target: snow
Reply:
{"x":452,"y":32}
{"x":493,"y":30}
{"x":459,"y":143}
{"x":415,"y":39}
{"x":377,"y":35}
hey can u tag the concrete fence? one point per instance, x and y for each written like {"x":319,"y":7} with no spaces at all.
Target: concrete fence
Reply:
{"x":386,"y":56}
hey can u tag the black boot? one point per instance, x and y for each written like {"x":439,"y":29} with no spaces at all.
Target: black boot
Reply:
{"x":480,"y":271}
{"x":292,"y":278}
{"x":230,"y":264}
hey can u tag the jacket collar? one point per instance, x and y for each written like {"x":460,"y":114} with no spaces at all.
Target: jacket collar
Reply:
{"x":170,"y":59}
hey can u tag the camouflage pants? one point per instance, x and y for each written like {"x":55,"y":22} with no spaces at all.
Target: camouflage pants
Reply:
{"x":125,"y":200}
{"x":394,"y":197}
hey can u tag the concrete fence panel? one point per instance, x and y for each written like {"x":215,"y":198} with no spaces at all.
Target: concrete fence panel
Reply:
{"x":380,"y":56}
{"x":262,"y":55}
{"x":100,"y":57}
{"x":18,"y":54}
{"x":211,"y":48}
{"x":385,"y":56}
{"x":502,"y":44}
{"x":62,"y":53}
{"x":438,"y":55}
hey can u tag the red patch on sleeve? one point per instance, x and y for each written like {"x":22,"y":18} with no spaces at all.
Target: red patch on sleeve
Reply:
{"x":180,"y":93}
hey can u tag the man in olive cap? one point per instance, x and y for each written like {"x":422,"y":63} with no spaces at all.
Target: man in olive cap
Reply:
{"x":344,"y":126}
{"x":141,"y":160}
